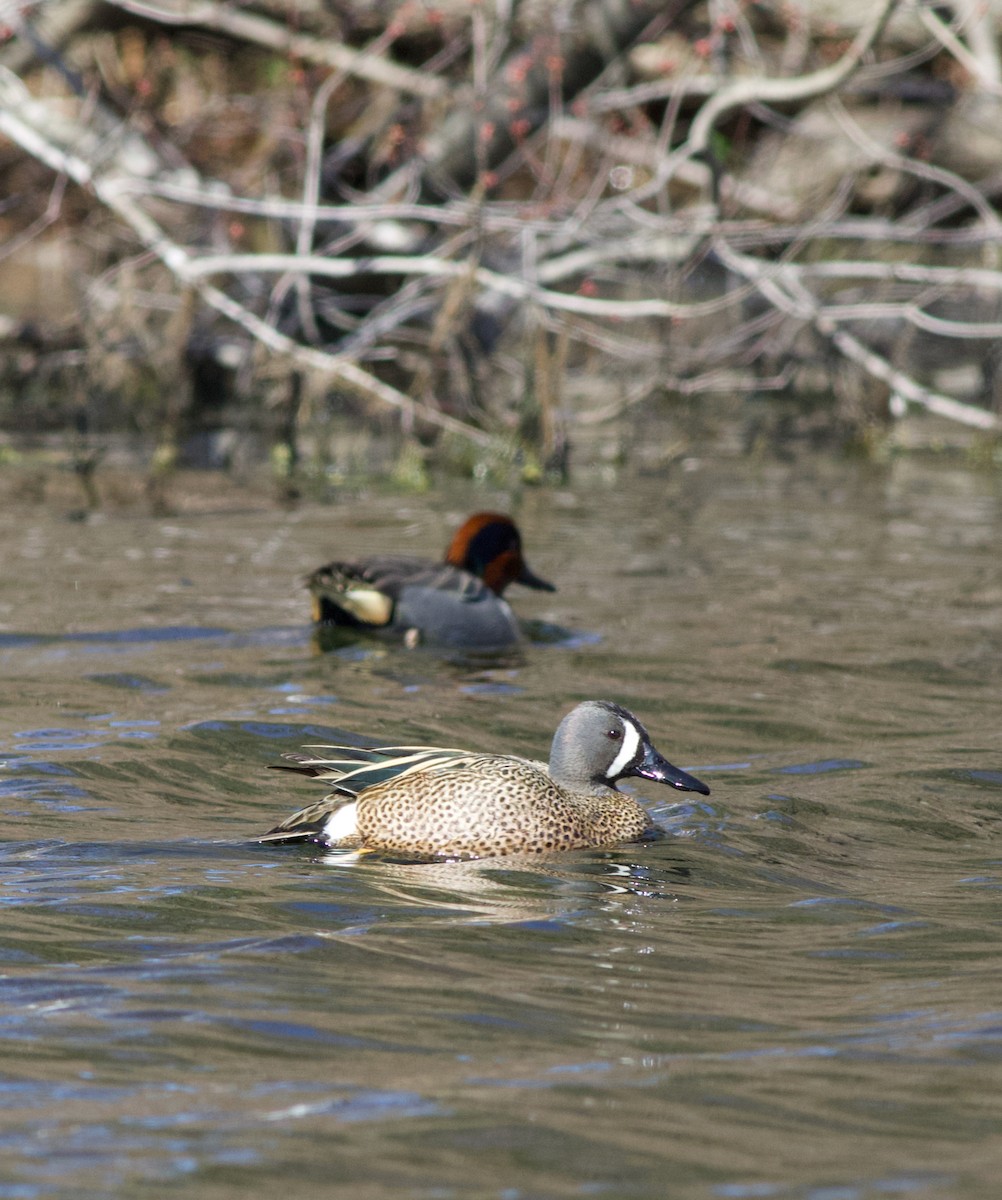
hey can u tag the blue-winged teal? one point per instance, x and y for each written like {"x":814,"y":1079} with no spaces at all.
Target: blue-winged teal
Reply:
{"x":431,"y":803}
{"x":452,"y":603}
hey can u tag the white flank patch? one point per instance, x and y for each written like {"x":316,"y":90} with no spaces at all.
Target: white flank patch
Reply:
{"x":367,"y":604}
{"x":627,"y":753}
{"x":342,"y":823}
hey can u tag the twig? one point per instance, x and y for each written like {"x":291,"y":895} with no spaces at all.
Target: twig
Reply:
{"x":20,"y":118}
{"x":431,"y":265}
{"x":798,"y":303}
{"x":709,"y":381}
{"x":642,"y":153}
{"x":946,"y":179}
{"x":983,"y":65}
{"x":859,"y":229}
{"x":311,"y":196}
{"x":262,"y":32}
{"x":499,"y":217}
{"x":41,"y":223}
{"x":614,"y":100}
{"x":785,"y":91}
{"x":572,"y":226}
{"x":949,"y":277}
{"x":914,"y":315}
{"x":906,"y":387}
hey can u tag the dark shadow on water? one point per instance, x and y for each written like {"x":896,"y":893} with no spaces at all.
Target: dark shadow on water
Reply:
{"x":354,"y":644}
{"x":272,"y":635}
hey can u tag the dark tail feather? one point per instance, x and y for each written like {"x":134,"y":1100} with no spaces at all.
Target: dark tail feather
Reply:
{"x":280,"y":835}
{"x":312,"y":771}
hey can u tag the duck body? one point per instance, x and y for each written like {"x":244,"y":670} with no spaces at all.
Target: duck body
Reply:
{"x":440,"y":603}
{"x":441,"y":803}
{"x":457,"y":602}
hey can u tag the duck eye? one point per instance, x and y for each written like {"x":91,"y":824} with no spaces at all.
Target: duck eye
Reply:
{"x":614,"y":734}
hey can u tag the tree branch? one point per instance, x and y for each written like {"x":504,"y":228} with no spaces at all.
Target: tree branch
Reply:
{"x":743,"y":92}
{"x":801,"y":305}
{"x":245,"y":26}
{"x":23,"y":120}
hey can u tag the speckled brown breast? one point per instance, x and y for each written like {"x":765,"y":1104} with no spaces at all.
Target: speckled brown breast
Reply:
{"x":492,"y":805}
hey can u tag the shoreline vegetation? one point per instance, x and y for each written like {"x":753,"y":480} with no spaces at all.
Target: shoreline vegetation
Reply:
{"x":485,"y":234}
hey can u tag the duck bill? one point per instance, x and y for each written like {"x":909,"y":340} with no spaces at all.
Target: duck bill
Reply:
{"x":653,"y":766}
{"x":528,"y":579}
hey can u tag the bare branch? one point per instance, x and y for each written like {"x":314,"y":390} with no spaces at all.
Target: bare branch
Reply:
{"x":947,"y":179}
{"x":505,"y":285}
{"x":798,"y":303}
{"x":913,"y":315}
{"x":260,"y":31}
{"x":982,"y":64}
{"x":784,"y":91}
{"x":710,"y":381}
{"x":16,"y":110}
{"x":570,"y":218}
{"x":897,"y":272}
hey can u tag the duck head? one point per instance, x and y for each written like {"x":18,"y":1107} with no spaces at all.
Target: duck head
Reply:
{"x":599,"y":743}
{"x":489,"y":545}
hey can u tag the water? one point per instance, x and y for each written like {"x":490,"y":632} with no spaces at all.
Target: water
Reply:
{"x":796,"y":995}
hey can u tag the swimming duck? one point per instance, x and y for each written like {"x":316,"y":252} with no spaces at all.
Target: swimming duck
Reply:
{"x":427,"y":802}
{"x":457,"y":602}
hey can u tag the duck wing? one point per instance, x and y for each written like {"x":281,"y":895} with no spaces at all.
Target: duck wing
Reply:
{"x":366,"y":591}
{"x":352,"y":769}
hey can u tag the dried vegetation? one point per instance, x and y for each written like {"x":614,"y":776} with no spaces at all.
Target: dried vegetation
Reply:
{"x":231,"y":225}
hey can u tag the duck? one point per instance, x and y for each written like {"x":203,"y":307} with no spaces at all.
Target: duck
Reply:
{"x":433,"y":803}
{"x":456,"y":603}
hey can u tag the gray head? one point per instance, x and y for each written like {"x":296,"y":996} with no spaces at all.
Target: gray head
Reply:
{"x":599,"y":742}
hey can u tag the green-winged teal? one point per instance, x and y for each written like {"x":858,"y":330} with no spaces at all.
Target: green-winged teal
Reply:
{"x":427,"y":802}
{"x":457,"y":602}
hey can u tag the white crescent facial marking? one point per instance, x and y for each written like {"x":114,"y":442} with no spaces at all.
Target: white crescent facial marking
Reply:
{"x":342,"y":823}
{"x":627,"y":752}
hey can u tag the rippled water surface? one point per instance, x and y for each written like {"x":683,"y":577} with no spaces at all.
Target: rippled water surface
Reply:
{"x":798,"y":994}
